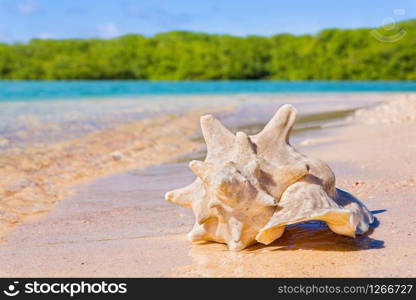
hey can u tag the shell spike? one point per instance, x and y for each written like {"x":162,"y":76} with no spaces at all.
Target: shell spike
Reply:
{"x":215,"y":134}
{"x":182,"y":196}
{"x":244,"y":144}
{"x":279,"y":127}
{"x":199,"y":168}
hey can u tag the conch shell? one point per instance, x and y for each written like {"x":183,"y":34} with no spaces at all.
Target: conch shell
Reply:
{"x":250,"y":187}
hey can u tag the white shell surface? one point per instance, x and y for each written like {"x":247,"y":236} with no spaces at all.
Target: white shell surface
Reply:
{"x":250,"y":187}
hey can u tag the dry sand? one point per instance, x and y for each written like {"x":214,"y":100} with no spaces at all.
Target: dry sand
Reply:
{"x":120,"y":225}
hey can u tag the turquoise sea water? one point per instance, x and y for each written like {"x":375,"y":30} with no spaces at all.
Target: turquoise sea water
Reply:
{"x":34,"y":111}
{"x":43,"y":90}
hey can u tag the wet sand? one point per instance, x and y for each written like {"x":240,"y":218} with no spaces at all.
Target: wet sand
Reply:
{"x":114,"y":226}
{"x":120,"y":225}
{"x":34,"y":178}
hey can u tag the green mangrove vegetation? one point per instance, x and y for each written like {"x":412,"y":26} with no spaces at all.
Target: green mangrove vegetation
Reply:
{"x":332,"y":54}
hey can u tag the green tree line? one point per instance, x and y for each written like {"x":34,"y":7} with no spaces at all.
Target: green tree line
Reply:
{"x":332,"y":54}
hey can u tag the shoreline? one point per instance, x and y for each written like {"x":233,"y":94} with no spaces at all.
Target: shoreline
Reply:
{"x":35,"y":123}
{"x":34,"y":179}
{"x":124,"y":215}
{"x":39,"y":174}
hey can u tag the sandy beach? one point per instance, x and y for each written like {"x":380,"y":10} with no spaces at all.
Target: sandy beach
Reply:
{"x":46,"y":148}
{"x":119,"y":225}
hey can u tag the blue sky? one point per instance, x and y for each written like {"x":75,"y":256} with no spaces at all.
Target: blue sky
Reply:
{"x":22,"y":20}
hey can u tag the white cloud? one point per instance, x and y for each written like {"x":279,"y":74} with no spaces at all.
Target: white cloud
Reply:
{"x":107,"y":31}
{"x":26,"y":7}
{"x":46,"y":36}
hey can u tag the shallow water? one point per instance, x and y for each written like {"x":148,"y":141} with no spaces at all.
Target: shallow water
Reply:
{"x":27,"y":123}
